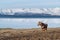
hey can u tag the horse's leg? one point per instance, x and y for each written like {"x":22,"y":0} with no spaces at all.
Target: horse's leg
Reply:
{"x":45,"y":29}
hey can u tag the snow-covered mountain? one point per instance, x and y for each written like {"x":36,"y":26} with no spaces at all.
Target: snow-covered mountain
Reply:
{"x":30,"y":11}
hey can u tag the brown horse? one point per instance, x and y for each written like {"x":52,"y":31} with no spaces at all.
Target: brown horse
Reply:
{"x":43,"y":26}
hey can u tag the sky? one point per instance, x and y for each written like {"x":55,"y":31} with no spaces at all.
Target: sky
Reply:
{"x":28,"y":23}
{"x":29,"y":3}
{"x":24,"y":23}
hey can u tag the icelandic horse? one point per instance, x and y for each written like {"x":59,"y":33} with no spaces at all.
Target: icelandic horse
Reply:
{"x":43,"y":26}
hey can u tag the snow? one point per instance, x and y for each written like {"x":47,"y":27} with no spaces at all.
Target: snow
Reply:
{"x":52,"y":11}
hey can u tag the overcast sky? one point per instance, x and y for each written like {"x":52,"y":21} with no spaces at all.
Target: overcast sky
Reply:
{"x":29,"y":3}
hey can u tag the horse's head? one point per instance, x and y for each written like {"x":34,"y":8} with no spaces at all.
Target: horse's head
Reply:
{"x":39,"y":23}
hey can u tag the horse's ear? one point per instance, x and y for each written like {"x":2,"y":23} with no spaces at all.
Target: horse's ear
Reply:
{"x":39,"y":22}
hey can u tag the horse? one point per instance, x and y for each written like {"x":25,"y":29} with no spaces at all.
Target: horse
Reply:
{"x":43,"y":26}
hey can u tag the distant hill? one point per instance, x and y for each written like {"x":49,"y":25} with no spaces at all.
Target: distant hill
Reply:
{"x":27,"y":15}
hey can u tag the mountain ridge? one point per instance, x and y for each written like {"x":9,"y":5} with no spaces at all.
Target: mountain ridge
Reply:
{"x":52,"y":11}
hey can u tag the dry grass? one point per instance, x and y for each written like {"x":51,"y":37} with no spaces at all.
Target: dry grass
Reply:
{"x":30,"y":34}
